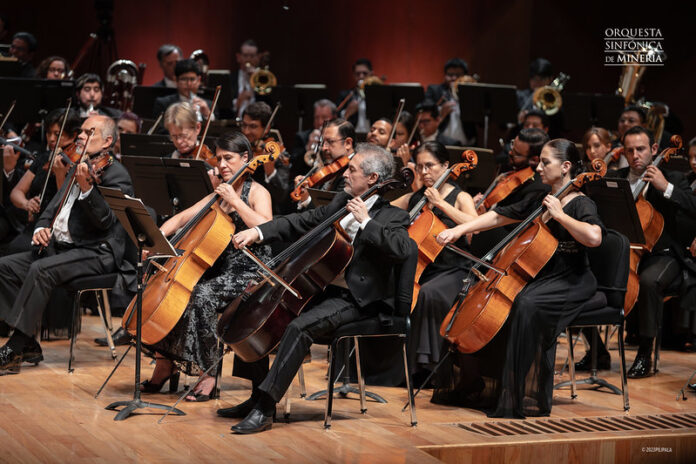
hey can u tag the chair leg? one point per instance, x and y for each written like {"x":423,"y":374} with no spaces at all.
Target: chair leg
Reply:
{"x":656,"y":349}
{"x":571,"y":366}
{"x":102,"y":316}
{"x":330,"y":387}
{"x":303,"y":388}
{"x":624,"y":378}
{"x":215,"y":394}
{"x":73,"y":335}
{"x":409,"y":389}
{"x":361,"y":380}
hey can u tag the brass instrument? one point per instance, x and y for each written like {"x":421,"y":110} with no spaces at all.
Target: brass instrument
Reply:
{"x":202,"y":59}
{"x":465,"y":79}
{"x":655,"y":112}
{"x":121,"y":79}
{"x":369,"y":80}
{"x":548,"y":98}
{"x":262,"y":80}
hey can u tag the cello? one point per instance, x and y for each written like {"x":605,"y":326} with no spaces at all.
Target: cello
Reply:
{"x":425,"y":225}
{"x":253,"y":324}
{"x":480,"y":311}
{"x":203,"y":240}
{"x":651,"y":221}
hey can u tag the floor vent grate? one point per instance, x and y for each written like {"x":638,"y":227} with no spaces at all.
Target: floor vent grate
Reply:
{"x":582,"y":424}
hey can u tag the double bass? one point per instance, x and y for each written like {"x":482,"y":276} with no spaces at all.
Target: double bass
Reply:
{"x":479,"y":312}
{"x":202,"y":239}
{"x":425,"y":226}
{"x":253,"y":324}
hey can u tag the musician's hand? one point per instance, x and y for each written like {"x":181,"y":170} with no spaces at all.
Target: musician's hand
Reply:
{"x":656,"y":178}
{"x":304,"y":194}
{"x":404,"y":153}
{"x":83,"y":177}
{"x":351,"y":109}
{"x":433,"y":196}
{"x":482,"y":208}
{"x":449,"y":236}
{"x":358,"y":208}
{"x":10,"y":158}
{"x":521,"y":115}
{"x":144,"y":255}
{"x":245,"y":237}
{"x":447,"y":108}
{"x":215,"y":178}
{"x":313,"y":138}
{"x":41,"y":237}
{"x":692,"y":248}
{"x":32,"y":205}
{"x":269,"y":168}
{"x":202,"y":106}
{"x":60,"y":169}
{"x":553,"y":206}
{"x":228,"y":194}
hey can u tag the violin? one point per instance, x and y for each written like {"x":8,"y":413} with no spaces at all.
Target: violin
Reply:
{"x":479,"y":312}
{"x":98,"y":164}
{"x":203,"y":151}
{"x":320,"y":176}
{"x":68,"y":154}
{"x":425,"y":226}
{"x":503,"y":186}
{"x":255,"y":321}
{"x":614,"y":155}
{"x":203,"y":239}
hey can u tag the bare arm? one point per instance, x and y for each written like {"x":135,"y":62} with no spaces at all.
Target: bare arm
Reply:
{"x":18,"y":196}
{"x":177,"y":221}
{"x":486,"y":221}
{"x":587,"y":234}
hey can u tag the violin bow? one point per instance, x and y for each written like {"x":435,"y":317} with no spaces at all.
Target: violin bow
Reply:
{"x":399,"y":110}
{"x":207,"y":122}
{"x":52,"y":158}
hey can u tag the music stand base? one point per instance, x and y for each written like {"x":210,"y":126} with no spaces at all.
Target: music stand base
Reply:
{"x":344,"y":390}
{"x":592,"y":380}
{"x":132,"y":405}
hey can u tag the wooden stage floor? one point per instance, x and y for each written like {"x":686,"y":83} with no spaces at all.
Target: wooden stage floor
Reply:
{"x":48,"y":415}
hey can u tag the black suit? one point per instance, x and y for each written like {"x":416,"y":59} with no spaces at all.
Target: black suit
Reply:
{"x":370,"y":278}
{"x":434,"y":93}
{"x":660,"y":268}
{"x":99,"y":244}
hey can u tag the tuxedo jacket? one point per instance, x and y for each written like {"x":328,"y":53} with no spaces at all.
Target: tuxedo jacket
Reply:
{"x":92,"y":223}
{"x":378,"y":249}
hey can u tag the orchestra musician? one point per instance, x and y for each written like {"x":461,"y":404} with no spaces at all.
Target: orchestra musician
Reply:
{"x":450,"y":120}
{"x":669,"y":193}
{"x":248,"y":60}
{"x":85,"y":239}
{"x":381,"y":242}
{"x":429,"y":123}
{"x":192,"y":346}
{"x":526,"y":346}
{"x":355,"y":111}
{"x":183,"y":127}
{"x":53,"y":67}
{"x":128,"y":123}
{"x":26,"y":194}
{"x":23,"y":47}
{"x":540,"y":75}
{"x":167,"y":56}
{"x":399,"y":144}
{"x":188,"y":82}
{"x":379,"y":132}
{"x":324,"y":110}
{"x":596,"y":144}
{"x":90,"y":92}
{"x":631,"y":116}
{"x":441,"y":279}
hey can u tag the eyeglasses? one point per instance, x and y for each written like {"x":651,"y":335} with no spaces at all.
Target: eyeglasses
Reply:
{"x":426,"y":166}
{"x":185,"y":134}
{"x":331,"y":142}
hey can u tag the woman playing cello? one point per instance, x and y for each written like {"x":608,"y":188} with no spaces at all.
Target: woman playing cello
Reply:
{"x":192,"y":346}
{"x":442,"y":278}
{"x":522,"y":377}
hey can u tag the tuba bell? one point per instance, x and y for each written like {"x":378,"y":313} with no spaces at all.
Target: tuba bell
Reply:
{"x":262,"y":80}
{"x":121,"y":78}
{"x":548,"y":98}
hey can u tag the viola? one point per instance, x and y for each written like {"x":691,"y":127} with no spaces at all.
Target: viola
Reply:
{"x":504,"y":186}
{"x":98,"y":164}
{"x":320,"y":176}
{"x":203,"y":240}
{"x":651,"y":222}
{"x":614,"y":155}
{"x":480,"y":311}
{"x":254,"y":322}
{"x":425,"y":226}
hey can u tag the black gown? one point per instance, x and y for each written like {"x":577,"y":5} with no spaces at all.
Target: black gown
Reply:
{"x":440,"y":283}
{"x":192,"y":344}
{"x":513,"y":375}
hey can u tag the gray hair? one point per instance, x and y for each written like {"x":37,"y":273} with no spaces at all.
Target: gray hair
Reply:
{"x":376,"y":159}
{"x":166,"y":49}
{"x":325,"y":102}
{"x":107,"y":128}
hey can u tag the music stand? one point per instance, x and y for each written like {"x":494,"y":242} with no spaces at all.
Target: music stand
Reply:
{"x":307,"y":95}
{"x":487,"y":103}
{"x":582,"y":110}
{"x":382,"y":100}
{"x":135,"y":219}
{"x":168,"y":185}
{"x":9,"y":67}
{"x":146,"y":145}
{"x":476,"y":180}
{"x":223,"y":78}
{"x":144,"y":99}
{"x":321,"y":197}
{"x":616,"y":207}
{"x":33,"y":96}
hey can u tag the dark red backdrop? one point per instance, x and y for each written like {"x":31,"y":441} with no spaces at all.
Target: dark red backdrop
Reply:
{"x":407,"y":41}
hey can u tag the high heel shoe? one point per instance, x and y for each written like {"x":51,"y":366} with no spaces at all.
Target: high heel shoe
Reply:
{"x":150,"y":387}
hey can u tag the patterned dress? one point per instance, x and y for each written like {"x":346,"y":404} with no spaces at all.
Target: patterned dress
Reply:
{"x":193,"y":343}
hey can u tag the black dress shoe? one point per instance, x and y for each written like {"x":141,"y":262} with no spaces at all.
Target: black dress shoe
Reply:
{"x":237,"y":412}
{"x":641,"y":368}
{"x":10,"y":361}
{"x":32,"y":353}
{"x":585,"y":364}
{"x":120,"y":337}
{"x":692,"y":386}
{"x":256,"y":421}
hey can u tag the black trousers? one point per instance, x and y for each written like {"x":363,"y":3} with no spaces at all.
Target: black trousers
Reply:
{"x":26,"y":282}
{"x":657,"y":272}
{"x":319,"y":321}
